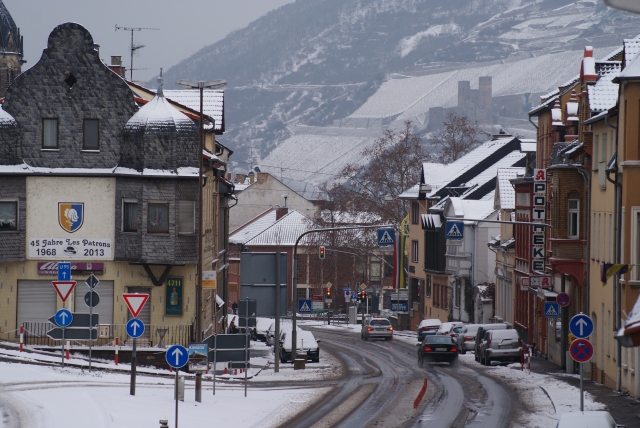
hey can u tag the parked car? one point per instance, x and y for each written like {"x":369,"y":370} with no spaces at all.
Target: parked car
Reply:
{"x":376,"y":327}
{"x":481,"y":333}
{"x":272,"y":331}
{"x":589,"y":419}
{"x":307,"y":344}
{"x":465,"y":341}
{"x":428,"y":327}
{"x":437,"y":348}
{"x":450,"y":328}
{"x":500,"y":345}
{"x":261,"y":330}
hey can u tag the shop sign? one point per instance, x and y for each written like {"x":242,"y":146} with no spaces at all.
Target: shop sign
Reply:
{"x":70,"y":248}
{"x":539,"y":216}
{"x":173,"y":298}
{"x":51,"y":268}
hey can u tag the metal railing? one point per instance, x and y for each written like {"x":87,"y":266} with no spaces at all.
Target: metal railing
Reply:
{"x":35,"y":334}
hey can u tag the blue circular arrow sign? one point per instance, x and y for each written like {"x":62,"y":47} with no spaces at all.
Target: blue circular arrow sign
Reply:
{"x":135,"y":328}
{"x":581,"y":326}
{"x":177,"y":356}
{"x":63,"y":317}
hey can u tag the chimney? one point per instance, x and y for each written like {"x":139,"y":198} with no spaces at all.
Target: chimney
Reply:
{"x":262,"y":177}
{"x":240,"y":178}
{"x":228,"y":176}
{"x":116,"y":65}
{"x":281,"y":212}
{"x":252,"y":177}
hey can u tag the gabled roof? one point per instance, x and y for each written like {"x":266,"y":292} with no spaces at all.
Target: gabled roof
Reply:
{"x":630,"y":72}
{"x":212,"y":103}
{"x":505,"y":192}
{"x":283,"y":232}
{"x":470,"y":209}
{"x":631,"y":49}
{"x":253,"y":227}
{"x":604,"y":94}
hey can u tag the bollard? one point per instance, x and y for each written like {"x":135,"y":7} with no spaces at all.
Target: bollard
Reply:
{"x":235,"y":371}
{"x":117,"y":342}
{"x":164,"y":423}
{"x":226,"y":370}
{"x":21,"y":336}
{"x":67,"y":349}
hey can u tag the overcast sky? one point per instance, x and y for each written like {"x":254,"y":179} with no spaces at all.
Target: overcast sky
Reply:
{"x":185,"y":26}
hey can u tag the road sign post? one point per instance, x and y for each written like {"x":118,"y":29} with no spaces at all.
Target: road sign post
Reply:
{"x":581,"y":350}
{"x":177,"y":356}
{"x":91,"y":299}
{"x":135,"y":302}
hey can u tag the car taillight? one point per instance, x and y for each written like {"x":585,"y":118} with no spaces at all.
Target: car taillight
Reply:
{"x":424,"y":328}
{"x":452,"y":335}
{"x":468,"y":339}
{"x":390,"y":329}
{"x":489,"y":341}
{"x":454,"y":349}
{"x":369,"y":329}
{"x":427,"y":349}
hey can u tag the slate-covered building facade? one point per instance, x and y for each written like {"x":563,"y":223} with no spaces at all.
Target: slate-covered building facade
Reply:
{"x":92,"y":178}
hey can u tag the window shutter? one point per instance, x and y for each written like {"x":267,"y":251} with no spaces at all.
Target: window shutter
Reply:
{"x":186,"y":217}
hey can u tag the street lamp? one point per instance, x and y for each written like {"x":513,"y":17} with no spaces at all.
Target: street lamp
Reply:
{"x":201,"y":85}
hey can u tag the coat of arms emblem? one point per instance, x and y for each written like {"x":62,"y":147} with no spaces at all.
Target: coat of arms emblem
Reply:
{"x":70,"y":215}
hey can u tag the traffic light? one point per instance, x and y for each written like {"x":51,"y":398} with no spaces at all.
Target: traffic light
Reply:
{"x":363,"y":295}
{"x":328,"y":293}
{"x":321,"y":253}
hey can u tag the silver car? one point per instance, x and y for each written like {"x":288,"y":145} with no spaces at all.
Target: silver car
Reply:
{"x":500,"y":345}
{"x":466,"y":339}
{"x":376,"y":327}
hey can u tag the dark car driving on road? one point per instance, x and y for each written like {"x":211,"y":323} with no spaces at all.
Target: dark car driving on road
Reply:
{"x":438,"y":348}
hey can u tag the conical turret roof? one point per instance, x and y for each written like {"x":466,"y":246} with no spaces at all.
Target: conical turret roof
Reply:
{"x":9,"y":32}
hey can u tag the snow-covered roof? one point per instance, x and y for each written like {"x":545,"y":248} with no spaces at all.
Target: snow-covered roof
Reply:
{"x":253,"y":227}
{"x":411,"y":193}
{"x":604,"y":94}
{"x":212,"y":102}
{"x":506,"y":192}
{"x":491,"y":172}
{"x":476,"y":209}
{"x":24,"y":169}
{"x":431,"y":221}
{"x":630,"y":71}
{"x":159,"y":115}
{"x":6,"y":120}
{"x":527,"y":146}
{"x":285,"y":231}
{"x":631,"y":49}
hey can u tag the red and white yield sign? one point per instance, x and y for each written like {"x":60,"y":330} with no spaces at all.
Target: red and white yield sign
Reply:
{"x":135,"y":302}
{"x":63,"y":288}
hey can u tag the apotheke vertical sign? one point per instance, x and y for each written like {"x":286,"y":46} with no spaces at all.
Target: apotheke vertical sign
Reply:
{"x":539,"y":216}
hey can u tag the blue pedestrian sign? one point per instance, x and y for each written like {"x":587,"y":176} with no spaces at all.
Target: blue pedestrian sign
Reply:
{"x":63,"y":317}
{"x":581,"y":326}
{"x":305,"y":306}
{"x":454,"y":230}
{"x":64,"y":271}
{"x":386,"y":237}
{"x":551,"y":310}
{"x":135,"y":328}
{"x":177,"y":356}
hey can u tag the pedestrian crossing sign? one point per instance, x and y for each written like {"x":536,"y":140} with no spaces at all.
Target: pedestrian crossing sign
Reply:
{"x":551,"y":310}
{"x":454,"y":230}
{"x":386,"y":237}
{"x":305,"y":306}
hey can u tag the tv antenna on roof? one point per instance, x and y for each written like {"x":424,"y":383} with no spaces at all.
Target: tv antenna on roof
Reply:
{"x":134,"y":47}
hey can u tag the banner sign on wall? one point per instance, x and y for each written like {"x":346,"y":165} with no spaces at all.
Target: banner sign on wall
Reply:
{"x":173,"y":298}
{"x":70,"y":248}
{"x":51,"y":268}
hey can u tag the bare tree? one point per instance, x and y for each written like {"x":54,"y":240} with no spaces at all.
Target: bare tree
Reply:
{"x":458,"y":137}
{"x":393,"y":164}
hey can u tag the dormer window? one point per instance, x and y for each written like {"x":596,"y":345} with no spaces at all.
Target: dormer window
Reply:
{"x":49,"y":133}
{"x":91,"y":134}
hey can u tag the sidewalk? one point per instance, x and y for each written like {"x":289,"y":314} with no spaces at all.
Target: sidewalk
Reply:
{"x":625,"y":409}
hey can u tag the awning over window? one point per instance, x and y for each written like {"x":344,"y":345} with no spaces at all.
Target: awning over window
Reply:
{"x":431,"y":221}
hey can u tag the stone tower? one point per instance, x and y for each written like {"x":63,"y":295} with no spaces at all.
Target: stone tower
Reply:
{"x":11,"y":46}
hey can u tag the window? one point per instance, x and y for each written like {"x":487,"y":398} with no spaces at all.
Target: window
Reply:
{"x":8,"y":215}
{"x":388,"y":266}
{"x":158,"y":220}
{"x":414,"y":251}
{"x":374,"y":271}
{"x":523,"y":199}
{"x":49,"y":133}
{"x":427,"y":287}
{"x":415,"y":213}
{"x":574,"y":219}
{"x":91,"y":139}
{"x":186,"y":217}
{"x":129,"y":216}
{"x":302,"y":293}
{"x":301,"y":266}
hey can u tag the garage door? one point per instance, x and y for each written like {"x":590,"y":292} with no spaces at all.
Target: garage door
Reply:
{"x":36,"y":301}
{"x":145,"y":314}
{"x":104,"y":308}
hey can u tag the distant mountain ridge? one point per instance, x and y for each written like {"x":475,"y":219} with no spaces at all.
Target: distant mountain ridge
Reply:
{"x":314,"y":62}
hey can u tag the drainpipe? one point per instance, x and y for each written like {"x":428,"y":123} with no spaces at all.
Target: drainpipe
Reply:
{"x":617,"y":231}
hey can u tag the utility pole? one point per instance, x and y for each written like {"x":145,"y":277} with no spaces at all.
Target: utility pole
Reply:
{"x":134,"y":47}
